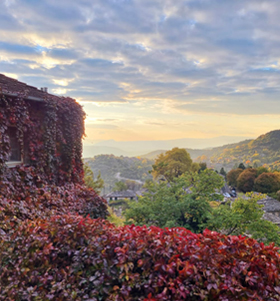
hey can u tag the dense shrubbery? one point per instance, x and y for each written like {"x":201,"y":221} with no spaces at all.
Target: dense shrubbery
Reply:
{"x":258,"y":179}
{"x":75,"y":258}
{"x":24,"y":195}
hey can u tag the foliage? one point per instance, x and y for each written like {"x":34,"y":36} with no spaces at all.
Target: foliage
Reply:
{"x":184,"y":202}
{"x":242,"y":166}
{"x":172,"y":164}
{"x":24,"y":196}
{"x":49,"y":133}
{"x":268,"y":182}
{"x":97,"y":184}
{"x":202,"y":166}
{"x":120,"y":186}
{"x":74,"y":258}
{"x":223,"y":172}
{"x":114,"y":219}
{"x":263,"y":151}
{"x":244,"y":217}
{"x":246,"y":180}
{"x":233,"y":175}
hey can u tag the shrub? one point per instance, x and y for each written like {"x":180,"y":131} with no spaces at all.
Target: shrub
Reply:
{"x":267,"y":182}
{"x":24,"y":195}
{"x":75,"y":258}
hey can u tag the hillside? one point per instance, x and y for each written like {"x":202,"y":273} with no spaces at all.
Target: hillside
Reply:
{"x":265,"y":150}
{"x":112,"y":168}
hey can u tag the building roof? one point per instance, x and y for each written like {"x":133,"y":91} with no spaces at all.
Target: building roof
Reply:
{"x":13,"y":87}
{"x":272,"y":218}
{"x":122,"y":194}
{"x":270,"y":204}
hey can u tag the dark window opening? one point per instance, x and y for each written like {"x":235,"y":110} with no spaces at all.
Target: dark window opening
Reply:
{"x":15,"y":146}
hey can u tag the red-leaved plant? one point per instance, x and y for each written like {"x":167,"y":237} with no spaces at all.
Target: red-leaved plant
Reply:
{"x":74,"y":258}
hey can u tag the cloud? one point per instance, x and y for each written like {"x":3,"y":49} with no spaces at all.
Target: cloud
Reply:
{"x":153,"y":57}
{"x":102,"y":126}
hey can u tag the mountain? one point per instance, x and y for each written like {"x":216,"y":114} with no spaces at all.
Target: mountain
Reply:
{"x":89,"y":151}
{"x":135,"y":148}
{"x":194,"y":153}
{"x":265,"y":150}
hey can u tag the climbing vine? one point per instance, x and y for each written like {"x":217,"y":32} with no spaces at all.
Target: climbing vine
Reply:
{"x":49,"y":134}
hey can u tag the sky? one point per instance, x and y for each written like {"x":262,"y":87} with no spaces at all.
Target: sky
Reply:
{"x":151,"y":69}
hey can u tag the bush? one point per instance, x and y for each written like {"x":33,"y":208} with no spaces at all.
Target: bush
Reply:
{"x":267,"y":182}
{"x":246,"y":180}
{"x":23,"y":195}
{"x":75,"y":258}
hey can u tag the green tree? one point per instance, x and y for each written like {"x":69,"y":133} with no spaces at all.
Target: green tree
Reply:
{"x":202,"y":166}
{"x":241,"y":166}
{"x":244,"y":217}
{"x":185,"y":202}
{"x":172,"y":164}
{"x":89,"y":180}
{"x":120,"y":186}
{"x":223,"y":172}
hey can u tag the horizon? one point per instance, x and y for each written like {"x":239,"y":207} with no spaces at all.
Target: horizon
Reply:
{"x":151,"y":70}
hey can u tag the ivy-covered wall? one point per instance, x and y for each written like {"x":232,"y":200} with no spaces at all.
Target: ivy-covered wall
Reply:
{"x":50,"y":134}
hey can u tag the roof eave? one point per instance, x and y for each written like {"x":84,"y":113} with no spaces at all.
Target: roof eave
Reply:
{"x":28,"y":97}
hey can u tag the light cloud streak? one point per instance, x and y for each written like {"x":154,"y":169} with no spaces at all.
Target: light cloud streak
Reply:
{"x":171,"y":62}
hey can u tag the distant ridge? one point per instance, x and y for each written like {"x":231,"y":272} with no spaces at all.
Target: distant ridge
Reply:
{"x":139,"y":148}
{"x":264,"y":150}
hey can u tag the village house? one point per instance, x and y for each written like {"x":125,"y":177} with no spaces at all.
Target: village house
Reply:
{"x":120,"y":195}
{"x":41,"y":130}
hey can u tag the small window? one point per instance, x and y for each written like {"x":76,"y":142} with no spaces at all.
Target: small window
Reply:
{"x":15,"y":155}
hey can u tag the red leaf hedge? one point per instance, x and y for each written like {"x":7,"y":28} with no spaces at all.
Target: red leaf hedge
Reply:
{"x":74,"y":258}
{"x":24,"y":195}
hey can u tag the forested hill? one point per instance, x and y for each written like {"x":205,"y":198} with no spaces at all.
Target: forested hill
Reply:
{"x":265,"y":150}
{"x":113,"y":168}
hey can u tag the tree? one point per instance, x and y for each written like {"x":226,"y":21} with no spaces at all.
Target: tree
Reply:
{"x":223,"y":172}
{"x":267,"y":182}
{"x":172,"y":164}
{"x":244,"y":217}
{"x":185,"y":202}
{"x":233,"y":175}
{"x":261,"y":170}
{"x":246,"y":180}
{"x":241,"y":166}
{"x":97,"y":184}
{"x":120,"y":186}
{"x":202,"y":166}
